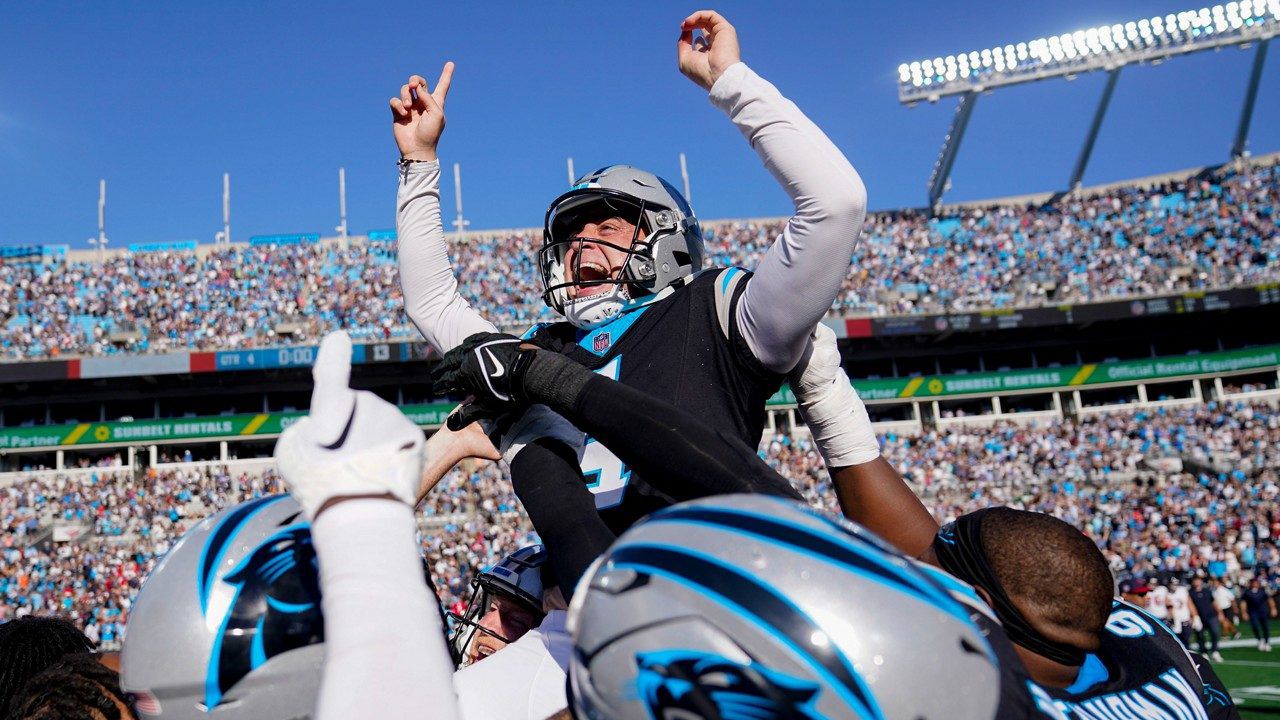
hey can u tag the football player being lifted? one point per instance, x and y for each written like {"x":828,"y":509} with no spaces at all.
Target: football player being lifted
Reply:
{"x":622,"y":261}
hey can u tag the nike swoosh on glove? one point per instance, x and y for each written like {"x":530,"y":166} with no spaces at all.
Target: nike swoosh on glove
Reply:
{"x":488,"y":366}
{"x":351,"y":443}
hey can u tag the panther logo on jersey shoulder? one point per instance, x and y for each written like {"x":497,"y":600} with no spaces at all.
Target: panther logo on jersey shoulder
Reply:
{"x":276,"y":608}
{"x":679,"y":684}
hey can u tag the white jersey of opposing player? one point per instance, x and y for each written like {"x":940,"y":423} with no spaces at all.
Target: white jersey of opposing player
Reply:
{"x":1223,"y":598}
{"x":1180,"y":603}
{"x":1158,"y":602}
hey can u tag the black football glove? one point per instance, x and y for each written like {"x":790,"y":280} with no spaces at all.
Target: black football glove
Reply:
{"x":488,"y":366}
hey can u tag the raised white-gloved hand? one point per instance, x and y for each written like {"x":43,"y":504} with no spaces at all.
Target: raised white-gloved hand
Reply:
{"x":831,"y":407}
{"x":352,"y":443}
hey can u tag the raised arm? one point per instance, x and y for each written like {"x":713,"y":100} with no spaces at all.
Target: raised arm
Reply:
{"x":431,"y":297}
{"x":802,"y":272}
{"x":869,"y":489}
{"x":353,"y":465}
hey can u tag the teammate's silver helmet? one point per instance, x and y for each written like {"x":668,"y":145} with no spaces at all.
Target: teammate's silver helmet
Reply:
{"x":668,"y":246}
{"x":750,"y":606}
{"x":518,"y":577}
{"x":228,"y":625}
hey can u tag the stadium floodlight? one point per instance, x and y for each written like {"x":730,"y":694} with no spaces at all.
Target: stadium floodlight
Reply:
{"x":684,"y":175}
{"x":224,"y":236}
{"x":1105,"y":47}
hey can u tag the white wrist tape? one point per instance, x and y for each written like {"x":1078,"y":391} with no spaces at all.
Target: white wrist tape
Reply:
{"x":835,"y":414}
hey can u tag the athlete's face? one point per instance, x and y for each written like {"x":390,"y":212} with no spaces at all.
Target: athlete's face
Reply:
{"x":598,"y":261}
{"x":504,"y":619}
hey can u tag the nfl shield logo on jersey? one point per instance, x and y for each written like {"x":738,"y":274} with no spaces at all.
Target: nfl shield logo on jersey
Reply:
{"x":601,"y":342}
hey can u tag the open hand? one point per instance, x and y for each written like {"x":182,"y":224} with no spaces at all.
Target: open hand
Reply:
{"x":705,"y":58}
{"x":447,"y":447}
{"x":418,"y":115}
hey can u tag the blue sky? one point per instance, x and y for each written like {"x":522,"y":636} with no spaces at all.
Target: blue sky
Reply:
{"x":162,"y":100}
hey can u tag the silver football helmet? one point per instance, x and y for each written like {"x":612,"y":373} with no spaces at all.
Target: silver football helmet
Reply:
{"x":229,"y":623}
{"x":752,"y":606}
{"x":665,"y":250}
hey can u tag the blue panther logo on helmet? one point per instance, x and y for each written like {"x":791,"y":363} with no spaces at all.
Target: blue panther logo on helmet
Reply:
{"x":686,"y":683}
{"x":275,"y":609}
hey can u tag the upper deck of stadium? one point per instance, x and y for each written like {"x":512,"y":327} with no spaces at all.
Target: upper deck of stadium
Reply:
{"x":1197,"y":230}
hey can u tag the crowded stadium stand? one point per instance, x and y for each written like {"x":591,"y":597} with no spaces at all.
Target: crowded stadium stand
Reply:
{"x":1163,"y":490}
{"x":1203,"y":230}
{"x":1109,"y":357}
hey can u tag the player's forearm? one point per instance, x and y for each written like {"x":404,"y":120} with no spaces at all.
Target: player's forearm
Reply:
{"x":874,"y":495}
{"x":440,"y":459}
{"x":870,"y":490}
{"x":384,"y":646}
{"x":669,"y":447}
{"x":803,"y":271}
{"x":431,"y":297}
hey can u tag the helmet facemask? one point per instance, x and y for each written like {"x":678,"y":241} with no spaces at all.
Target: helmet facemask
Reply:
{"x":485,"y":587}
{"x":651,"y":262}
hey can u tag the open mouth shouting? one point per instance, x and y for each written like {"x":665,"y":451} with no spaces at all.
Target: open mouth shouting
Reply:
{"x":483,"y":646}
{"x":589,"y":271}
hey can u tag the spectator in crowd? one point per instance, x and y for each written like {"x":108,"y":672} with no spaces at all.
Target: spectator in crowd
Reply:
{"x":1258,"y":605}
{"x":1195,"y":233}
{"x":1210,"y":618}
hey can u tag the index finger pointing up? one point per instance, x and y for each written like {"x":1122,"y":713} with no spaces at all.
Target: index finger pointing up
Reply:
{"x":442,"y":84}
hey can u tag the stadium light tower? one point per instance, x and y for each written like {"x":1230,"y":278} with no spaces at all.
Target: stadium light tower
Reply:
{"x":342,"y":203}
{"x":101,"y":240}
{"x":460,"y":223}
{"x":1108,"y":47}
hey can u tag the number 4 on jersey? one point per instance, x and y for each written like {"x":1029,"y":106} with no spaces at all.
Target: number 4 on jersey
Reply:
{"x":606,"y":475}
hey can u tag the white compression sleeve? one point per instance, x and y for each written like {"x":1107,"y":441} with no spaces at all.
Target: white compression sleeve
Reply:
{"x":431,"y":296}
{"x":430,"y":289}
{"x":385,"y":655}
{"x":802,"y":272}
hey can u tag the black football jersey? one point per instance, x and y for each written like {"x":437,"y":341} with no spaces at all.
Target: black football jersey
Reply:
{"x":1143,"y":671}
{"x":682,"y":347}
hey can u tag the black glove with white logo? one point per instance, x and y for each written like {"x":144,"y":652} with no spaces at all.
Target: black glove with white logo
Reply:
{"x":503,"y":377}
{"x":489,"y":367}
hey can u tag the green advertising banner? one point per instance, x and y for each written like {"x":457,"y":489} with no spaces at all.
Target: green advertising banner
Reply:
{"x":1058,"y":378}
{"x":147,"y":431}
{"x":432,"y":414}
